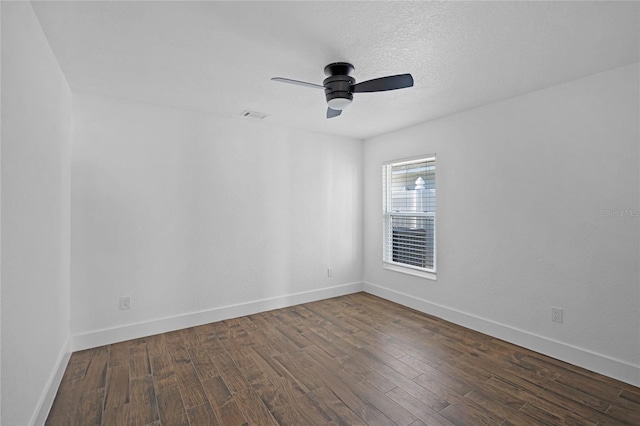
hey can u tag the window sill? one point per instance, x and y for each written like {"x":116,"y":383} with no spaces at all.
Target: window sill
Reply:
{"x":410,"y":271}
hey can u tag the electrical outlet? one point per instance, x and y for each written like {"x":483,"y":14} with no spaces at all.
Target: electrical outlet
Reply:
{"x":329,"y":272}
{"x":125,"y":303}
{"x":556,"y":315}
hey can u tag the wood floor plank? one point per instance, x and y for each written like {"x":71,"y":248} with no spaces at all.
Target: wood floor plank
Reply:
{"x":143,"y":407}
{"x":434,"y":353}
{"x":383,"y":403}
{"x":419,"y":365}
{"x":372,"y":416}
{"x":333,"y":407}
{"x":229,"y":414}
{"x":208,"y":339}
{"x":294,"y":335}
{"x":303,"y":377}
{"x":202,"y":415}
{"x":402,"y":368}
{"x":507,"y":393}
{"x":426,"y":397}
{"x":626,"y":414}
{"x":349,"y":360}
{"x":270,"y":337}
{"x":78,"y":364}
{"x":591,"y":386}
{"x":474,"y":377}
{"x":629,"y":395}
{"x":417,"y":408}
{"x":287,"y":416}
{"x":96,"y":375}
{"x":263,"y":357}
{"x":269,"y":394}
{"x":177,"y":348}
{"x":340,"y":388}
{"x":205,"y":368}
{"x":170,"y":407}
{"x":578,"y":409}
{"x":216,"y":391}
{"x":442,"y":383}
{"x":569,"y":370}
{"x":190,"y":386}
{"x":547,"y":412}
{"x":320,"y":342}
{"x":119,"y":354}
{"x":467,"y":414}
{"x":497,"y":408}
{"x":63,"y":410}
{"x":331,"y":316}
{"x":118,"y":416}
{"x":578,"y":396}
{"x":253,"y":408}
{"x":156,"y":345}
{"x":299,"y":402}
{"x":229,"y":371}
{"x":241,"y":356}
{"x":392,"y":349}
{"x":353,"y":365}
{"x":90,"y":408}
{"x":139,"y":361}
{"x":190,"y":337}
{"x":117,"y":387}
{"x":513,"y":374}
{"x":163,"y":374}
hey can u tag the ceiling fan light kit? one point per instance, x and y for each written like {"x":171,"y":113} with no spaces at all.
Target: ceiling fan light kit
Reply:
{"x":339,"y":86}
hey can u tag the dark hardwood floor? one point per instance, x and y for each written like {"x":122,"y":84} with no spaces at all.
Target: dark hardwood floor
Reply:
{"x":355,"y":359}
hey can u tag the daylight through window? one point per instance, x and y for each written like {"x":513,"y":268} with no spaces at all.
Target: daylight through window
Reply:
{"x":409,"y":215}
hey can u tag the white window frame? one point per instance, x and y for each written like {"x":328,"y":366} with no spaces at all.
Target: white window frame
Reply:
{"x":387,"y":215}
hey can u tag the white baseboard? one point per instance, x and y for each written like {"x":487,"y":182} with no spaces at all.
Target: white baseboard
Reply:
{"x":163,"y":325}
{"x":48,"y":395}
{"x":598,"y":363}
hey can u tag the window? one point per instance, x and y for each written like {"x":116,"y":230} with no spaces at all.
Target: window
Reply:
{"x":409,"y":216}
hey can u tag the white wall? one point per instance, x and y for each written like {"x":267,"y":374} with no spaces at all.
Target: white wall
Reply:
{"x":191,"y":214}
{"x":36,"y":135}
{"x":523,"y":188}
{"x":187,"y":212}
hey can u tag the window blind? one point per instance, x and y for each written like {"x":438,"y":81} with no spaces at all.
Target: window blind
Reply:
{"x":409,"y":213}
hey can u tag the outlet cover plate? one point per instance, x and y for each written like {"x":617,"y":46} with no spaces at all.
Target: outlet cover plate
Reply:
{"x":125,"y":303}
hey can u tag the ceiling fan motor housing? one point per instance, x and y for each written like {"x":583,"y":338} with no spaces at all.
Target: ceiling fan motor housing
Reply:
{"x":337,"y":86}
{"x":337,"y":90}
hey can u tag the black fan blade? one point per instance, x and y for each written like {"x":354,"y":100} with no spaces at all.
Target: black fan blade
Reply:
{"x":333,"y":112}
{"x":381,"y":84}
{"x":300,"y":83}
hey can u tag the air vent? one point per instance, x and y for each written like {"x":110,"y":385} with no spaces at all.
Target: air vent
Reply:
{"x":253,"y":114}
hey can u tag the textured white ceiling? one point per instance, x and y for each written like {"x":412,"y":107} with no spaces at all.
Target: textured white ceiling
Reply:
{"x":218,"y":57}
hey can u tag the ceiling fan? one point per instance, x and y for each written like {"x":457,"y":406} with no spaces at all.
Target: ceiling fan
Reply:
{"x":339,"y":87}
